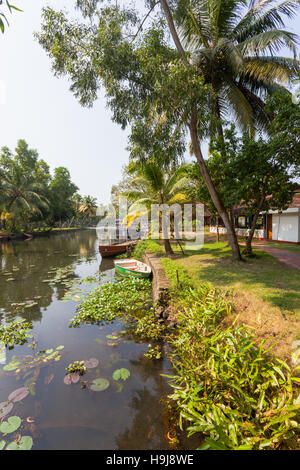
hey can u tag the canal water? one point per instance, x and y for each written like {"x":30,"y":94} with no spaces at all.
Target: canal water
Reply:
{"x":128,"y":414}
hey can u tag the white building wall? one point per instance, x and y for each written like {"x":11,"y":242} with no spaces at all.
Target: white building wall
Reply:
{"x":241,"y":232}
{"x":285,"y":227}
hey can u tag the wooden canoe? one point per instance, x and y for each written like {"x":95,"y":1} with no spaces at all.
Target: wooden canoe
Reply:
{"x":132,"y":268}
{"x":111,"y":250}
{"x":115,"y":249}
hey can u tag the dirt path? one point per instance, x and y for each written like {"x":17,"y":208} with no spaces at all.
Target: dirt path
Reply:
{"x":285,"y":256}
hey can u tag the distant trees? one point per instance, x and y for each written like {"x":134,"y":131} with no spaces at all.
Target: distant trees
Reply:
{"x":223,"y":62}
{"x":151,"y":184}
{"x":30,"y":196}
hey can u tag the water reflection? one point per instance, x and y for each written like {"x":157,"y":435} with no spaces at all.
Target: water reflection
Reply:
{"x":70,"y":417}
{"x":28,"y":263}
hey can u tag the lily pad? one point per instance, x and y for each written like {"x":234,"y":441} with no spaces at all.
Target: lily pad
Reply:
{"x":2,"y":445}
{"x":19,"y":394}
{"x":11,"y":425}
{"x":60,"y":347}
{"x":121,"y":374}
{"x":5,"y":408}
{"x":68,"y":379}
{"x":91,"y":363}
{"x":75,"y":378}
{"x":12,"y":365}
{"x":98,"y":385}
{"x":25,"y":443}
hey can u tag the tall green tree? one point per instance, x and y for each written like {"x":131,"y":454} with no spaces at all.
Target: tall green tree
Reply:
{"x":219,"y":64}
{"x":88,"y":206}
{"x":61,"y":192}
{"x":24,"y":181}
{"x":21,"y":195}
{"x":152,"y":184}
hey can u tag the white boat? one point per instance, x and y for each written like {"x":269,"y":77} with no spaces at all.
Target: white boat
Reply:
{"x":132,"y":267}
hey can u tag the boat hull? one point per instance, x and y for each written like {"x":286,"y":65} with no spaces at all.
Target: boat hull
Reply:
{"x":127,"y":272}
{"x":111,"y":250}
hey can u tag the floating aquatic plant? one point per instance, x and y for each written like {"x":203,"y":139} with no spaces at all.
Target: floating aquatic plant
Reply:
{"x":121,"y":374}
{"x":25,"y":443}
{"x":16,"y":332}
{"x":76,"y":367}
{"x":100,"y":384}
{"x":11,"y":425}
{"x":91,"y":363}
{"x":110,"y":300}
{"x":154,"y":352}
{"x":19,"y":394}
{"x":5,"y":408}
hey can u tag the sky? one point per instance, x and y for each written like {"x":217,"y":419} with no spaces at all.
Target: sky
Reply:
{"x":38,"y":107}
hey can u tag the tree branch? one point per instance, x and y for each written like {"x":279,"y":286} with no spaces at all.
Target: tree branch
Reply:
{"x":141,"y":25}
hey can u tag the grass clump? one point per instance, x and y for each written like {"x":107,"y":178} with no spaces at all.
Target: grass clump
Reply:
{"x":147,"y":245}
{"x":231,"y":391}
{"x":110,"y":300}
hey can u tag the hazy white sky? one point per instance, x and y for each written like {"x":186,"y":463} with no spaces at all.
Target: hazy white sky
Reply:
{"x":37,"y":107}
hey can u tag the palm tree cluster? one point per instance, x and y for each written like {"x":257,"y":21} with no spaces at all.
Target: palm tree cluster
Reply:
{"x":234,"y":45}
{"x":153,"y":185}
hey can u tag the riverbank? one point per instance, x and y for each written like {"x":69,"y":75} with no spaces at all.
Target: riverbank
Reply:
{"x":41,"y":233}
{"x":228,"y":385}
{"x":45,"y":282}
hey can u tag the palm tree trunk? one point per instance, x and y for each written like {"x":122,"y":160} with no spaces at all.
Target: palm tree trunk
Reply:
{"x":196,"y":147}
{"x":211,"y":188}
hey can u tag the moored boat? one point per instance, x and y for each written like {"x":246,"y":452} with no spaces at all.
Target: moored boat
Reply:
{"x":132,"y":267}
{"x":115,"y":248}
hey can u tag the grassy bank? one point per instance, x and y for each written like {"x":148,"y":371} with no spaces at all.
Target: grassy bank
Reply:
{"x":230,"y":390}
{"x":265,"y":292}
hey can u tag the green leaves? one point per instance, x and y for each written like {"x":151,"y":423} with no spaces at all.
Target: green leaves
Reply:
{"x":226,"y":387}
{"x":11,"y":425}
{"x":108,"y":301}
{"x":14,"y":333}
{"x":25,"y":443}
{"x":99,"y":385}
{"x":10,"y":8}
{"x":121,"y":374}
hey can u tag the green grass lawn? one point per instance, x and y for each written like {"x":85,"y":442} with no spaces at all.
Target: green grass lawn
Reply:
{"x":265,"y":292}
{"x":263,"y":275}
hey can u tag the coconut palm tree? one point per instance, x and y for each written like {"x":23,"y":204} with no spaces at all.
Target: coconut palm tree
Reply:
{"x":234,"y":44}
{"x":153,"y":185}
{"x":20,"y":195}
{"x":88,"y":206}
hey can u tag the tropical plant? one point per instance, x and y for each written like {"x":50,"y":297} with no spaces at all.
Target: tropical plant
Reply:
{"x":220,"y":65}
{"x":3,"y":15}
{"x":20,"y":194}
{"x":88,"y":206}
{"x":230,"y":391}
{"x":155,"y":186}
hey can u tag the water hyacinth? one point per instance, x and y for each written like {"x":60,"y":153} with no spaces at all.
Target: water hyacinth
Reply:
{"x":108,"y":301}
